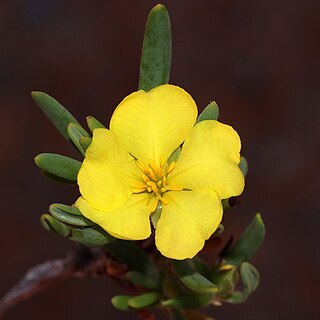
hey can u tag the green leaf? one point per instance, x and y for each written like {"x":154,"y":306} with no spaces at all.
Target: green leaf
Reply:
{"x":174,"y":155}
{"x":243,"y":165}
{"x":85,"y":143}
{"x":211,"y":112}
{"x":144,"y":300}
{"x":56,"y":113}
{"x":225,"y":277}
{"x":133,"y":256}
{"x":58,"y":165}
{"x":156,"y":51}
{"x":121,"y":302}
{"x":248,"y":244}
{"x":93,"y":123}
{"x":76,"y":132}
{"x":51,"y":224}
{"x":75,"y":220}
{"x":142,"y":280}
{"x":92,"y":237}
{"x":230,"y":203}
{"x":250,"y":278}
{"x":191,"y":278}
{"x":155,"y":216}
{"x":56,"y":178}
{"x":200,"y":265}
{"x":188,"y":302}
{"x":68,"y":209}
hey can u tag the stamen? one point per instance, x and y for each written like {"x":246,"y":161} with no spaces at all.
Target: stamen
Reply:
{"x":163,"y":200}
{"x":142,"y":167}
{"x":155,"y":169}
{"x":154,"y":181}
{"x":151,"y":174}
{"x":155,"y":189}
{"x":138,"y":184}
{"x":162,"y":162}
{"x":171,"y":167}
{"x":145,"y":178}
{"x":138,"y":190}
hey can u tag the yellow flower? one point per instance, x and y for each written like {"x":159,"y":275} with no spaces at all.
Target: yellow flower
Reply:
{"x":125,"y":174}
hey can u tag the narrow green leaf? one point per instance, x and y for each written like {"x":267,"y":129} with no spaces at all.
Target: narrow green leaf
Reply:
{"x":175,"y":155}
{"x":76,"y":132}
{"x":93,"y":236}
{"x":226,"y":278}
{"x":155,"y":216}
{"x":230,"y":203}
{"x":75,"y":220}
{"x":243,"y":165}
{"x":121,"y":302}
{"x":58,"y":165}
{"x":51,"y":224}
{"x":133,"y":256}
{"x":68,"y":209}
{"x":85,"y":143}
{"x":55,"y":178}
{"x":188,"y":302}
{"x":211,"y":112}
{"x":191,"y":278}
{"x":220,"y":229}
{"x":200,"y":265}
{"x":144,"y":300}
{"x":93,"y":123}
{"x":250,"y":278}
{"x":156,"y":51}
{"x":56,"y":113}
{"x":248,"y":244}
{"x":142,"y":280}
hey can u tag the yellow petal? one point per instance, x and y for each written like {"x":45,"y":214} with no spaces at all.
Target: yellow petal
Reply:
{"x":130,"y":221}
{"x":189,"y":218}
{"x":209,"y":159}
{"x":153,"y":124}
{"x":106,"y":175}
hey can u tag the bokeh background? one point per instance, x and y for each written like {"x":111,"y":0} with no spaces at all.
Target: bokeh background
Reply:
{"x":258,"y":59}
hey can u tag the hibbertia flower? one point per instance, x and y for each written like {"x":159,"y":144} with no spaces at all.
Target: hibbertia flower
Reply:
{"x":126,"y":175}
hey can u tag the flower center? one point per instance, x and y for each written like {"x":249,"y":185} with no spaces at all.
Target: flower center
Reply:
{"x":154,"y":180}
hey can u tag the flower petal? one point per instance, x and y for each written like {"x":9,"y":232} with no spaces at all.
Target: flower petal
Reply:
{"x":209,"y":159}
{"x":153,"y":124}
{"x":107,"y":172}
{"x":189,"y":218}
{"x":130,"y":221}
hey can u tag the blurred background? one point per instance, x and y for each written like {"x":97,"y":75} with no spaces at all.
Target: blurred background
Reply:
{"x":258,"y":59}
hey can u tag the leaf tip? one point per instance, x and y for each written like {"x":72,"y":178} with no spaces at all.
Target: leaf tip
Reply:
{"x":159,"y":7}
{"x":44,"y":222}
{"x":35,"y":95}
{"x":37,"y":160}
{"x":259,"y":219}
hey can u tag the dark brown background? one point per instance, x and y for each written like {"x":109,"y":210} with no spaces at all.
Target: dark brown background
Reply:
{"x":257,"y":59}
